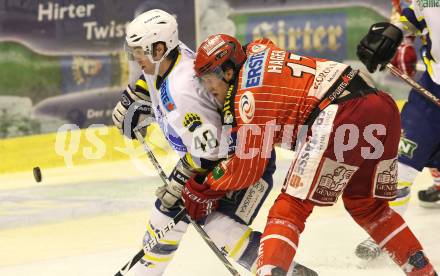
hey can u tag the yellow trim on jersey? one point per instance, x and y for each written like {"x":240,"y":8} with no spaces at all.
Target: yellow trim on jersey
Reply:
{"x":150,"y":230}
{"x":240,"y":243}
{"x":179,"y":57}
{"x":397,"y":202}
{"x":190,"y":161}
{"x":170,"y":242}
{"x":404,"y":184}
{"x":427,"y":62}
{"x":152,"y":233}
{"x":142,"y":83}
{"x":174,"y":65}
{"x":420,"y":18}
{"x":149,"y":257}
{"x":408,"y":25}
{"x":403,"y":19}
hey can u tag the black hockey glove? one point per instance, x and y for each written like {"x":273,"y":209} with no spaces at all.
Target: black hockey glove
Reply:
{"x":132,"y":108}
{"x":379,"y":45}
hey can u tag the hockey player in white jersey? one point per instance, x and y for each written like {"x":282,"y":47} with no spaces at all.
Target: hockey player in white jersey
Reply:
{"x":420,"y":119}
{"x":190,"y":120}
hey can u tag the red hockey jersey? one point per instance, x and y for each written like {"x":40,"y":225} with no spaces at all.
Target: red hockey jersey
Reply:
{"x":275,"y":93}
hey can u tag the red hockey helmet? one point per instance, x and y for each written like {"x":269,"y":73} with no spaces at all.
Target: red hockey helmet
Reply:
{"x":217,"y":50}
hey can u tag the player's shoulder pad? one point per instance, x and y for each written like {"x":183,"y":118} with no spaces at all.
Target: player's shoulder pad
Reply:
{"x":264,"y":41}
{"x":186,"y":51}
{"x":185,"y":88}
{"x":259,"y":45}
{"x":183,"y":83}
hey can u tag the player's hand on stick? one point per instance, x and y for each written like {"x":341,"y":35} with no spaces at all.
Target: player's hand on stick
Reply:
{"x":405,"y":58}
{"x":171,"y":193}
{"x":133,"y":107}
{"x":378,"y":47}
{"x":199,"y":199}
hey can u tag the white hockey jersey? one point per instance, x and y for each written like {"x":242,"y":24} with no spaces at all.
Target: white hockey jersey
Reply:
{"x":424,"y":16}
{"x":187,"y":114}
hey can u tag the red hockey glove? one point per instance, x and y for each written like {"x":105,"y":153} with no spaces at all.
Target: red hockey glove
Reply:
{"x":199,"y":199}
{"x":406,"y":58}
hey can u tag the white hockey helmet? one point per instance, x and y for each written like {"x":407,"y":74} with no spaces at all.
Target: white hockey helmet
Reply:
{"x":148,"y":28}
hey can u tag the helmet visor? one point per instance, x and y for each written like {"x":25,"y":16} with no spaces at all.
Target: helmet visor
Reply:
{"x":210,"y":77}
{"x":135,"y":53}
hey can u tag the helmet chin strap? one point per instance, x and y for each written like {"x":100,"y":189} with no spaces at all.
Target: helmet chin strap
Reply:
{"x":156,"y":68}
{"x":156,"y":65}
{"x":157,"y":62}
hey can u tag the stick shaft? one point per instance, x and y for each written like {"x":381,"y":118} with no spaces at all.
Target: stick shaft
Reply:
{"x":428,"y":95}
{"x":154,"y":240}
{"x":199,"y":229}
{"x":150,"y":155}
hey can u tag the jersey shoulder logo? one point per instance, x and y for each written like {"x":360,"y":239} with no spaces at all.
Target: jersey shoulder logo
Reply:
{"x":246,"y":107}
{"x":192,"y":121}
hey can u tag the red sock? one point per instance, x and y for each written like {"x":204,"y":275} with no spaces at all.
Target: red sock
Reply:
{"x":391,"y":233}
{"x":279,"y":241}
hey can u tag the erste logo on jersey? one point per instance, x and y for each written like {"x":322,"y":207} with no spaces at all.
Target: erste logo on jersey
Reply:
{"x":165,"y":96}
{"x":253,"y":70}
{"x":246,"y":107}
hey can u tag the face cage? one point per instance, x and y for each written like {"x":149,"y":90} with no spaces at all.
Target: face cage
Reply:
{"x":135,"y":53}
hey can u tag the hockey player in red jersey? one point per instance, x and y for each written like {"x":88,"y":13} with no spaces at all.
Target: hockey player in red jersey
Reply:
{"x":351,"y":137}
{"x":420,"y":119}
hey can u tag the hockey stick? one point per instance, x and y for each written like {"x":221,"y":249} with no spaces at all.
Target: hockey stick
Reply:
{"x":151,"y":243}
{"x":428,"y":95}
{"x":199,"y":229}
{"x":161,"y":233}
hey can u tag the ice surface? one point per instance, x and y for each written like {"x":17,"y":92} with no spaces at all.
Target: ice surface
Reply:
{"x":89,"y":220}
